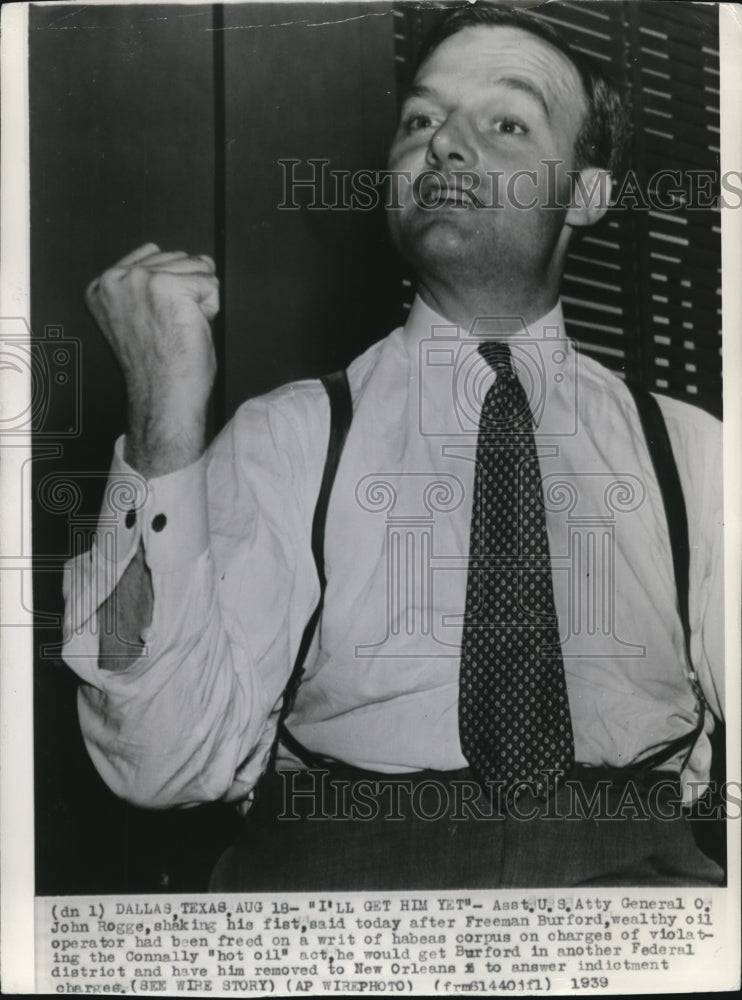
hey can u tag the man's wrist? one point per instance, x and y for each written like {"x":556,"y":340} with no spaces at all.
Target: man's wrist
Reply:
{"x":157,"y":448}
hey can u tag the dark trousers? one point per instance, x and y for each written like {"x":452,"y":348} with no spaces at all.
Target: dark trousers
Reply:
{"x":352,"y":830}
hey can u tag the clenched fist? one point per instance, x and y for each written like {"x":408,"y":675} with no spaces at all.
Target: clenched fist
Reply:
{"x":154,"y":309}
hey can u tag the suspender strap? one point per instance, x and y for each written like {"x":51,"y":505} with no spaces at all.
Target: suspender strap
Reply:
{"x":666,"y":470}
{"x":341,"y":414}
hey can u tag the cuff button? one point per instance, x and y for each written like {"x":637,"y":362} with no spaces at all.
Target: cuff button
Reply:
{"x":131,"y":518}
{"x":158,"y":522}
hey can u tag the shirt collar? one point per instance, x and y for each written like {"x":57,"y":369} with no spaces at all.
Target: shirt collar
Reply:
{"x":443,"y":360}
{"x":424,"y":322}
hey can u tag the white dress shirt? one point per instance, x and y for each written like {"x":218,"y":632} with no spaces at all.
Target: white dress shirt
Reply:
{"x":234,"y":580}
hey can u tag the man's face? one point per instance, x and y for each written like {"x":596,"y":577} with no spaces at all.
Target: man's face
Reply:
{"x":488,"y":103}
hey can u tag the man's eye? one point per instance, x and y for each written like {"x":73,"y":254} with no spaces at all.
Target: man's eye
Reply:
{"x":416,"y":122}
{"x":509,"y":126}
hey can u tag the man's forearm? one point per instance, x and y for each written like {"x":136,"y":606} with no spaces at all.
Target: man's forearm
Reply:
{"x":154,"y":308}
{"x":125,"y":615}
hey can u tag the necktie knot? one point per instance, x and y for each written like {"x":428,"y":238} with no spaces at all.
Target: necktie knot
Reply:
{"x":505,"y":409}
{"x":497,"y":355}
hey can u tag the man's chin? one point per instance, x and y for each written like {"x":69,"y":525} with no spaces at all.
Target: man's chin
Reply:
{"x":446,"y":236}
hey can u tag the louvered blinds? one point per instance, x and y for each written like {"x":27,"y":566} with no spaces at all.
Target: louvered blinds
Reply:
{"x":642,"y":290}
{"x":676,"y":77}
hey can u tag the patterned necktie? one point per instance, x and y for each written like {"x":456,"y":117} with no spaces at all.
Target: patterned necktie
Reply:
{"x":514,"y":719}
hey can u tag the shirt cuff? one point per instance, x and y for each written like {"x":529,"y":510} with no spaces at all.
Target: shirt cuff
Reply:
{"x":168,"y":513}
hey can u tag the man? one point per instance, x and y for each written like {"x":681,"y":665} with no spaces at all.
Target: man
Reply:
{"x":465,"y":659}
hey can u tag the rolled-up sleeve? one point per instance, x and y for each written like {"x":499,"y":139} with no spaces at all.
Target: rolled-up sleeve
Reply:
{"x":227,"y":544}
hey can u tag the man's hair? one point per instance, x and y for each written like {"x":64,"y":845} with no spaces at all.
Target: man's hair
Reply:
{"x":602,"y":138}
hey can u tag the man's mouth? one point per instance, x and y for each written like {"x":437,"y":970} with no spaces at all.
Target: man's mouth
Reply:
{"x":437,"y":194}
{"x":466,"y":201}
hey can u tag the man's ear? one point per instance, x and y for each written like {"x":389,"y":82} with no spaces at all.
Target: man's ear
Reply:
{"x":590,"y":196}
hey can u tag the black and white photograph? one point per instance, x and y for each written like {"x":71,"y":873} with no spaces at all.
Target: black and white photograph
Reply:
{"x":375,"y":455}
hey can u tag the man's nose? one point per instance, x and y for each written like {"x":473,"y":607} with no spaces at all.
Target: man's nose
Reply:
{"x":451,"y":145}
